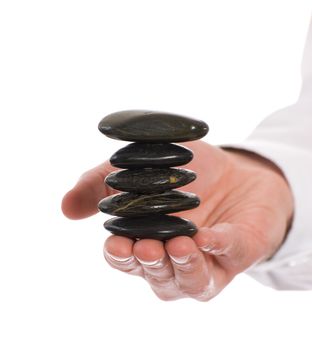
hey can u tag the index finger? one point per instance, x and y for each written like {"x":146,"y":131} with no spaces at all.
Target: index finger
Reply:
{"x":82,"y":200}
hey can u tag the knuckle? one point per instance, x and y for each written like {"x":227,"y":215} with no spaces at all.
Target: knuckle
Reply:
{"x":203,"y":298}
{"x":161,"y":273}
{"x":134,"y":270}
{"x":159,"y":282}
{"x":186,"y":269}
{"x":200,"y":292}
{"x":167,"y":295}
{"x":206,"y":292}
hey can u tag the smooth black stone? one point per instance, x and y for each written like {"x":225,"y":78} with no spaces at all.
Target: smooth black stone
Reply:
{"x":149,"y":180}
{"x":161,"y":227}
{"x":151,"y":155}
{"x":131,"y":204}
{"x":152,"y":126}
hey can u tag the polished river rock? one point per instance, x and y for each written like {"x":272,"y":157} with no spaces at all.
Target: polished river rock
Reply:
{"x":151,"y":155}
{"x":131,"y":204}
{"x":149,"y":180}
{"x":152,"y":126}
{"x":160,"y":227}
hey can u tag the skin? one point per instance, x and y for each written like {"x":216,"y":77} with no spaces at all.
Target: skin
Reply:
{"x":245,"y":212}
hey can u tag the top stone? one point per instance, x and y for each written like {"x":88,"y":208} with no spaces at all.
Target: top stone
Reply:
{"x":151,"y":126}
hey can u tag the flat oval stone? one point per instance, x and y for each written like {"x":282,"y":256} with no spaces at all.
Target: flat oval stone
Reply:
{"x":151,"y":155}
{"x":152,"y":126}
{"x":160,"y":227}
{"x":149,"y":180}
{"x":131,"y":204}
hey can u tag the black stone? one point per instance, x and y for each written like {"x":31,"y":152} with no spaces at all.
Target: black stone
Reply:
{"x":130,"y":204}
{"x":152,"y":126}
{"x":151,"y":155}
{"x":149,"y":180}
{"x":160,"y":227}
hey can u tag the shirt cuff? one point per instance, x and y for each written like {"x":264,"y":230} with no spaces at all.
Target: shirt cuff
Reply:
{"x":291,"y":266}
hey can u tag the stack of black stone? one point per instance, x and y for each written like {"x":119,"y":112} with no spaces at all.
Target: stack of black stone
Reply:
{"x":150,"y":178}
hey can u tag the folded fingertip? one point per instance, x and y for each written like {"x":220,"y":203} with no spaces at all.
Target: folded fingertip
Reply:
{"x":118,"y":246}
{"x":120,"y":259}
{"x":202,"y":237}
{"x":215,"y":240}
{"x":181,"y":260}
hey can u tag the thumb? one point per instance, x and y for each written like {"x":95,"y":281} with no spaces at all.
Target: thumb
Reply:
{"x":82,"y":200}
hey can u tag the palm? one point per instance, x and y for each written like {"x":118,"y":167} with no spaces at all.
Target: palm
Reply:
{"x":231,"y":195}
{"x":237,"y":221}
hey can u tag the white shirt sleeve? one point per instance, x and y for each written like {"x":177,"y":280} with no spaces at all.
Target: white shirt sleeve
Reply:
{"x":285,"y":137}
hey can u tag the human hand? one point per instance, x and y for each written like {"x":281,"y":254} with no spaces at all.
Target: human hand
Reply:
{"x":245,"y":211}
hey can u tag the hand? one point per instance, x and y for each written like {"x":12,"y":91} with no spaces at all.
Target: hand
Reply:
{"x":245,"y":211}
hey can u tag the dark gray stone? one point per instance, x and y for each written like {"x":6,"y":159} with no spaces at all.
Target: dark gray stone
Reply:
{"x":149,"y":180}
{"x":151,"y":155}
{"x":160,"y":227}
{"x":130,"y":204}
{"x":152,"y":126}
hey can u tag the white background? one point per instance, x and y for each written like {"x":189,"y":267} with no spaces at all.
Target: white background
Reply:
{"x":63,"y":66}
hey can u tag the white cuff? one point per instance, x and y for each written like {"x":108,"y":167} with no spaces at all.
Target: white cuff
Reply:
{"x":291,"y":266}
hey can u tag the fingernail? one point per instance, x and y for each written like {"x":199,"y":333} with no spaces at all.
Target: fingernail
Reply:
{"x":181,"y":259}
{"x":212,"y":250}
{"x":119,"y":258}
{"x":154,"y":263}
{"x":206,"y":248}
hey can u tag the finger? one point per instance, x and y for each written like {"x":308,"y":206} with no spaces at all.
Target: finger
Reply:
{"x":157,"y":268}
{"x":227,"y":242}
{"x":190,"y":268}
{"x":81,"y":201}
{"x":118,"y":252}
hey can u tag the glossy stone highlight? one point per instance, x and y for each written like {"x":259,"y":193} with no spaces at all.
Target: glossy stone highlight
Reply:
{"x":130,"y":204}
{"x":149,"y":180}
{"x":161,"y":227}
{"x":152,"y":126}
{"x":151,"y":155}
